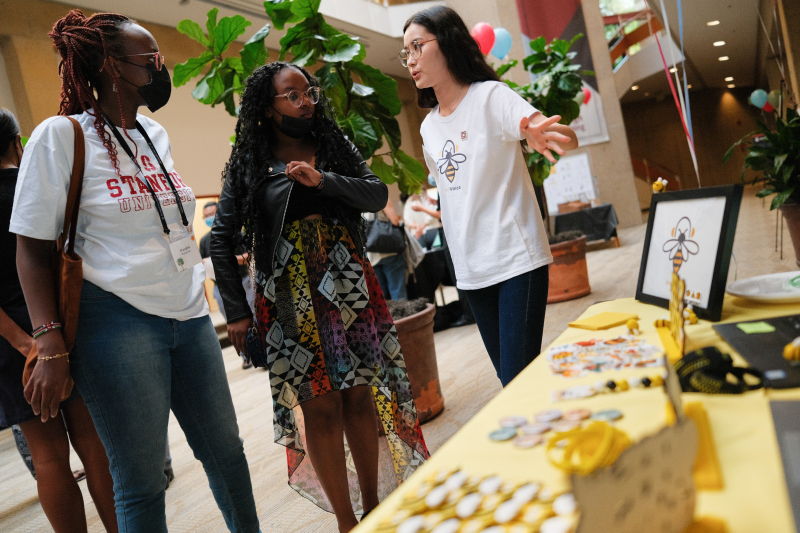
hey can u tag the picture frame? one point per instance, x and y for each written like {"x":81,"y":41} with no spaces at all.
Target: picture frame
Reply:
{"x":691,"y":233}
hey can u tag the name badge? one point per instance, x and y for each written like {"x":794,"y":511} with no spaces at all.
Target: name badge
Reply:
{"x":185,"y":253}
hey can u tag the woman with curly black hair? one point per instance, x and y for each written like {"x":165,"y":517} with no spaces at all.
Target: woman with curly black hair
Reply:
{"x":297,"y":187}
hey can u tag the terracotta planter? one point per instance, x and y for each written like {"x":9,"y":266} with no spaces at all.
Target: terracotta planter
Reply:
{"x":569,"y":277}
{"x":415,"y":333}
{"x":791,"y":213}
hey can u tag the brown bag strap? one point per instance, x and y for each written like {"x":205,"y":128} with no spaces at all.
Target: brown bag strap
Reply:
{"x":75,"y":188}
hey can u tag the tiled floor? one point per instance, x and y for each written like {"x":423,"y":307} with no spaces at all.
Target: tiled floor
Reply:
{"x":467,"y":380}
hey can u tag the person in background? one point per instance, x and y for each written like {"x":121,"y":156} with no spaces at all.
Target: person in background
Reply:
{"x":209,"y":212}
{"x":145,"y":344}
{"x":47,"y":441}
{"x":298,"y":187}
{"x":390,"y":269}
{"x":418,"y":221}
{"x":490,"y":215}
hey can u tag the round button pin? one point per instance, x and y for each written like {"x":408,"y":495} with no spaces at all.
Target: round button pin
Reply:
{"x":566,"y":425}
{"x":535,"y":429}
{"x":513,"y":421}
{"x":577,"y":414}
{"x":609,"y":415}
{"x":528,"y":441}
{"x":503,"y":434}
{"x":548,"y":415}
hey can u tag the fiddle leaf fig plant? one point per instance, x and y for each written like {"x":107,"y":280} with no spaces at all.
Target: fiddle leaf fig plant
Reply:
{"x":364,"y":100}
{"x":776,"y":155}
{"x":556,"y":90}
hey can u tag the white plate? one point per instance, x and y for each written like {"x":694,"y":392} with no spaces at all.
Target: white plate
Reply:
{"x":772,"y":288}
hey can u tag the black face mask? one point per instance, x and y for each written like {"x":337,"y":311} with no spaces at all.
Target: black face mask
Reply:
{"x":294,"y":127}
{"x":156,"y":93}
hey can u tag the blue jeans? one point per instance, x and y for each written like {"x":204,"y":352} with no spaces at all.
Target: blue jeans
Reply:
{"x":391,"y":273}
{"x":131,"y":369}
{"x":510,"y":317}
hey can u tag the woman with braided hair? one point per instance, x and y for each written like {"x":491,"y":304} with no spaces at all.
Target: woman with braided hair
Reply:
{"x":297,"y":186}
{"x":145,"y":343}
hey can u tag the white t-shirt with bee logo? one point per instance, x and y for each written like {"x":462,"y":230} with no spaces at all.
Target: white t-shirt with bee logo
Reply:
{"x":119,"y":233}
{"x":489,"y":210}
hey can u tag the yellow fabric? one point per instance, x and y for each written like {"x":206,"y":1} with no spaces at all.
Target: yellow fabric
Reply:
{"x":754,"y":499}
{"x":707,"y":470}
{"x":603,"y":321}
{"x":707,"y":524}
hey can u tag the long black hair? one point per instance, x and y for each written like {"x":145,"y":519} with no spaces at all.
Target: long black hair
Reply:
{"x":464,"y":59}
{"x":255,"y":138}
{"x":9,"y":129}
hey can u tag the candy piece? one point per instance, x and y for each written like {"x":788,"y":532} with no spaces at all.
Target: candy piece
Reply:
{"x":502,"y":434}
{"x":411,"y":525}
{"x":599,"y":385}
{"x":548,"y":415}
{"x":623,"y":385}
{"x":566,"y":425}
{"x":513,"y":421}
{"x":577,"y":414}
{"x":507,"y":511}
{"x":528,"y":441}
{"x":557,"y":524}
{"x":611,"y":385}
{"x":609,"y":415}
{"x":490,"y":485}
{"x":468,"y":505}
{"x":526,"y":493}
{"x":448,"y":526}
{"x":657,"y":381}
{"x":546,"y":495}
{"x":646,"y":382}
{"x":635,"y":382}
{"x":436,"y":497}
{"x":535,"y":429}
{"x":565,"y":504}
{"x":456,"y":481}
{"x":535,"y":513}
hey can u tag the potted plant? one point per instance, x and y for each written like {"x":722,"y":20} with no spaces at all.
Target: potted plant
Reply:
{"x":558,"y":90}
{"x":776,"y":155}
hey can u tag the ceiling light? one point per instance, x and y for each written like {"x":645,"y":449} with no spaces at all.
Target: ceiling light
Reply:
{"x":723,"y":58}
{"x":719,"y":43}
{"x":729,"y":78}
{"x":731,"y":86}
{"x":635,"y":88}
{"x":712,"y":23}
{"x":673,"y":69}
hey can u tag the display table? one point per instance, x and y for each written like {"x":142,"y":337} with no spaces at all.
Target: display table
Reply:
{"x":597,"y":223}
{"x":754,"y":498}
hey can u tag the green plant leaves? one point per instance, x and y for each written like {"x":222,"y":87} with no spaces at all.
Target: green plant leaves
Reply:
{"x":382,"y":170}
{"x":408,"y":170}
{"x":254,"y":54}
{"x":227,"y":30}
{"x":193,"y":66}
{"x":193,"y":30}
{"x":360,"y":132}
{"x":781,"y":198}
{"x":305,"y":8}
{"x":385,"y":87}
{"x":280,"y":13}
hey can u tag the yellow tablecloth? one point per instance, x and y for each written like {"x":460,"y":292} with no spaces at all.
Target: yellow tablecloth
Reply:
{"x":754,"y":500}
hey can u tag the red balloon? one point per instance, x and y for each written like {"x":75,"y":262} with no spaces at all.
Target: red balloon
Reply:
{"x":483,"y":33}
{"x":587,"y":95}
{"x":768,"y":108}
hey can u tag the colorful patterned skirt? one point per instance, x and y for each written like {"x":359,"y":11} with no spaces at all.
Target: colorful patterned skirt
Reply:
{"x":324,"y":325}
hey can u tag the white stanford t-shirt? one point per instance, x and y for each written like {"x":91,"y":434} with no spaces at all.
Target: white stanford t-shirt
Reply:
{"x":489,"y":211}
{"x":119,"y":234}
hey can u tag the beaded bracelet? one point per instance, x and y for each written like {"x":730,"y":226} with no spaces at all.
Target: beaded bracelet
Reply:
{"x":56,"y":356}
{"x":41,"y":330}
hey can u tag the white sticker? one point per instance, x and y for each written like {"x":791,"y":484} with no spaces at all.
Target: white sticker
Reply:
{"x":185,"y":253}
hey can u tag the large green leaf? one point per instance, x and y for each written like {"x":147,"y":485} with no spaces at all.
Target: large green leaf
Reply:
{"x":502,"y":69}
{"x":306,"y":60}
{"x":280,"y":13}
{"x":361,"y":133}
{"x":193,"y":66}
{"x":210,"y":87}
{"x":409,"y":171}
{"x":211,"y":26}
{"x":362,"y":90}
{"x":193,"y":30}
{"x":295,"y":35}
{"x":227,"y":30}
{"x":345,"y":53}
{"x":781,"y":198}
{"x":382,"y":170}
{"x":385,"y":87}
{"x":538,"y":44}
{"x":305,"y":8}
{"x":254,"y":54}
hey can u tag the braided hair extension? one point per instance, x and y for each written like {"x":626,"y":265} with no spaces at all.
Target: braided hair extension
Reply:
{"x":85,"y":44}
{"x":254,"y":138}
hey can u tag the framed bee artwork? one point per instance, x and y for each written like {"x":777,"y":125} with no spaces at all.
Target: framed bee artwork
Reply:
{"x":690,"y":233}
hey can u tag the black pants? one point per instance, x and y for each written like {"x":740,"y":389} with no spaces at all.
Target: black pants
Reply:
{"x":510,"y":317}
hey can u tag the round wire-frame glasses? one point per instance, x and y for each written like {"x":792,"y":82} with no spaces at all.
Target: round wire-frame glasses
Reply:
{"x":414,"y":53}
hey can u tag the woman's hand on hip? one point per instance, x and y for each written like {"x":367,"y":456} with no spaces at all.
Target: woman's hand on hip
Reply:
{"x":237,"y":333}
{"x":538,"y":131}
{"x":49,"y":379}
{"x":303,"y":173}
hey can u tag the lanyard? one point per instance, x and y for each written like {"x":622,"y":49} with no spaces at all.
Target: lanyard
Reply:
{"x":128,"y":151}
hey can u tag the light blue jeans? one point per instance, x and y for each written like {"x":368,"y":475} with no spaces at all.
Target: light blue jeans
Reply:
{"x":131,"y":368}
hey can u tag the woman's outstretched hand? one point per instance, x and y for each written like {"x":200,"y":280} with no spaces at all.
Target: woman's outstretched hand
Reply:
{"x":237,"y":333}
{"x":303,"y":173}
{"x":538,"y":131}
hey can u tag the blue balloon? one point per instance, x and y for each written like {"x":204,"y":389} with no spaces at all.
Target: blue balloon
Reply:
{"x":502,"y":43}
{"x":758,"y":98}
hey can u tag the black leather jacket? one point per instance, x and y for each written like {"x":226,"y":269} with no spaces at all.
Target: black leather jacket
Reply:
{"x":365,"y":192}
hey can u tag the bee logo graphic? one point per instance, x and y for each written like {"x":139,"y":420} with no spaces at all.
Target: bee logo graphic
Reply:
{"x":450,"y":158}
{"x":681,"y":247}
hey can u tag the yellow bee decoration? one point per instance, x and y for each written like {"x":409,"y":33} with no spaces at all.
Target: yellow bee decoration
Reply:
{"x":662,"y":323}
{"x":791,"y":352}
{"x":689,"y":316}
{"x":660,"y":185}
{"x":633,"y":327}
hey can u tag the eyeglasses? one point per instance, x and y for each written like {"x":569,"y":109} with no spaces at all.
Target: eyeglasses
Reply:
{"x":296,"y":97}
{"x":158,"y":58}
{"x":414,"y":53}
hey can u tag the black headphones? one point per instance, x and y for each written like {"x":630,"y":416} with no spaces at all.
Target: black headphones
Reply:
{"x":706,"y":370}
